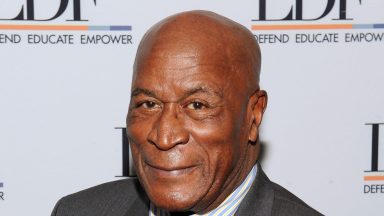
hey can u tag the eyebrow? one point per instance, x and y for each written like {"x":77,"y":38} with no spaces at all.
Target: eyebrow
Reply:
{"x":189,"y":92}
{"x":139,"y":91}
{"x":203,"y":89}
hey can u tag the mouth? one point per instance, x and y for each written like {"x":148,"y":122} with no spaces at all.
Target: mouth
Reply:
{"x":165,"y":171}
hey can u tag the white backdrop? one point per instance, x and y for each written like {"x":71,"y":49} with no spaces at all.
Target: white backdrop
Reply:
{"x":60,"y":103}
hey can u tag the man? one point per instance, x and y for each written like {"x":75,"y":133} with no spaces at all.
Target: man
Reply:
{"x":192,"y":123}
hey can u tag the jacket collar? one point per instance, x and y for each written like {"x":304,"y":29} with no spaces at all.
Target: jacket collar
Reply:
{"x":259,"y":200}
{"x":140,"y":206}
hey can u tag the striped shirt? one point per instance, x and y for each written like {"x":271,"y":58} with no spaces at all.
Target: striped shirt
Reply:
{"x":227,"y":208}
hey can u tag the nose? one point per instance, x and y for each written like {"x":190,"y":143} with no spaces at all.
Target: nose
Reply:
{"x":168,"y":131}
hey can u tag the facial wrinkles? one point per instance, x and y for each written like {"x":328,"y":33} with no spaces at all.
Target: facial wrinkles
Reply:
{"x":173,"y":84}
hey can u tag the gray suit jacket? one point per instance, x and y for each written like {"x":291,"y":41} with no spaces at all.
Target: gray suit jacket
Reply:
{"x":126,"y":197}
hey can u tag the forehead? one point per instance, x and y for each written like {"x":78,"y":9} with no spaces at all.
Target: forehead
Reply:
{"x":171,"y":75}
{"x":171,"y":62}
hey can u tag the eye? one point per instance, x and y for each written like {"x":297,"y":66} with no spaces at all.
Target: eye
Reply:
{"x":149,"y":105}
{"x":196,"y":105}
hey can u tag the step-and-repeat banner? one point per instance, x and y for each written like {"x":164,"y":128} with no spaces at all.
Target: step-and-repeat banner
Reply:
{"x":65,"y":73}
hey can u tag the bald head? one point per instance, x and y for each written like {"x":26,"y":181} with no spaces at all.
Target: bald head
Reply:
{"x":195,"y":110}
{"x":203,"y":35}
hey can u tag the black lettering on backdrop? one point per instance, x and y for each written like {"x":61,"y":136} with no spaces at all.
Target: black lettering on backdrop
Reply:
{"x":106,"y":39}
{"x":375,"y":146}
{"x":272,"y":38}
{"x":367,"y":189}
{"x":298,"y":8}
{"x":364,"y":37}
{"x":317,"y":38}
{"x":77,"y":10}
{"x":50,"y":39}
{"x":374,"y":188}
{"x":10,"y":38}
{"x":127,"y":165}
{"x":30,"y":11}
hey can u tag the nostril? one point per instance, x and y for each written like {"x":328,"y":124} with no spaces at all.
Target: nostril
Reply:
{"x":151,"y":142}
{"x":167,"y":139}
{"x":182,"y":137}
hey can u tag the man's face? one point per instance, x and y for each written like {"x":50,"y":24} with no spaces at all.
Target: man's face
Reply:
{"x":187,"y":127}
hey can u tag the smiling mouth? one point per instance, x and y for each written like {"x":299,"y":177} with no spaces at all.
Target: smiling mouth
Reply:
{"x":171,"y":171}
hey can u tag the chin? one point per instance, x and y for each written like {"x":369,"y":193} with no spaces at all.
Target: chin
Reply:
{"x":175,"y":191}
{"x":177,"y":195}
{"x":176,"y":201}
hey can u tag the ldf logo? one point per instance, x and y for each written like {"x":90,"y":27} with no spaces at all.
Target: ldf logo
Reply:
{"x":29,"y":13}
{"x":298,"y":8}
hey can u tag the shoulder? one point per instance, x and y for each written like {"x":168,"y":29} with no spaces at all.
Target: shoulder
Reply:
{"x":286,"y":203}
{"x":266,"y":198}
{"x":103,"y":199}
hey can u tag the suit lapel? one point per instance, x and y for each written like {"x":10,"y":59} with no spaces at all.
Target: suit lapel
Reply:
{"x":140,"y":206}
{"x":259,"y":200}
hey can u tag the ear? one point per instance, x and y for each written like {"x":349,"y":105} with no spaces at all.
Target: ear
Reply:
{"x":258,"y":104}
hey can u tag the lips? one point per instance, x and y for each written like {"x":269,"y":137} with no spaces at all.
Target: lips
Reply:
{"x":170,"y":171}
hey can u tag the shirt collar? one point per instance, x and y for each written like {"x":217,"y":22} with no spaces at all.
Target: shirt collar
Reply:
{"x":227,"y":207}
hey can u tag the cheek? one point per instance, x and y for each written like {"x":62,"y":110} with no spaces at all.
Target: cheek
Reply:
{"x":219,"y":140}
{"x":137,"y":131}
{"x":138,"y":127}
